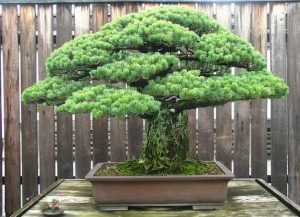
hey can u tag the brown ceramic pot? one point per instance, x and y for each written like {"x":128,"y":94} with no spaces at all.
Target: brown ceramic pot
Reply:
{"x":198,"y":191}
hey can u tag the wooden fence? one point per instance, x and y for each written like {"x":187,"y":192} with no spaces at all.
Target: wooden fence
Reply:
{"x":34,"y":139}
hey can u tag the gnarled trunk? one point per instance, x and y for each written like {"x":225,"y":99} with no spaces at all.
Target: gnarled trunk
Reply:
{"x":166,"y":140}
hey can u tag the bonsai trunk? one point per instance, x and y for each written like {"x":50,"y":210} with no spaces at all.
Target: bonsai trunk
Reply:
{"x":166,"y":140}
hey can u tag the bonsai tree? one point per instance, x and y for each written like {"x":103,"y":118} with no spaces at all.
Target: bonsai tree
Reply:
{"x":171,"y":59}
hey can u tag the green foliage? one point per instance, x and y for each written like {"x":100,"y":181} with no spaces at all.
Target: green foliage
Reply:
{"x":199,"y":23}
{"x":152,"y":34}
{"x":135,"y":67}
{"x":225,"y":48}
{"x":76,"y":58}
{"x":52,"y":90}
{"x":190,"y":86}
{"x":102,"y":100}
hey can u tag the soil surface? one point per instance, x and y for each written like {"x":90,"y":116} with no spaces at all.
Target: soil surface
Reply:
{"x":188,"y":168}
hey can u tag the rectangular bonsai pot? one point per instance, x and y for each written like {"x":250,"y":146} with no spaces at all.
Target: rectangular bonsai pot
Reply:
{"x":198,"y":191}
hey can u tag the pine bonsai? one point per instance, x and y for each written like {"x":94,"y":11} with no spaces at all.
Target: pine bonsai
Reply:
{"x":172,"y":59}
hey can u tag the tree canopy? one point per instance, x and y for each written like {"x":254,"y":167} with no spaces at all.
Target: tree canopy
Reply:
{"x":167,"y":57}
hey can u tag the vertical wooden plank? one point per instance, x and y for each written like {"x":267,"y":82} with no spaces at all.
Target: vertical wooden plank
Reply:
{"x":135,"y":124}
{"x":206,"y":115}
{"x":151,"y":5}
{"x":117,"y":126}
{"x":206,"y":8}
{"x":241,"y":154}
{"x":135,"y":137}
{"x":100,"y":126}
{"x":293,"y":47}
{"x":29,"y":115}
{"x":192,"y":112}
{"x":133,"y":7}
{"x":11,"y":109}
{"x":191,"y":5}
{"x":46,"y":115}
{"x":259,"y":107}
{"x":64,"y":121}
{"x":279,"y":114}
{"x":223,"y":119}
{"x":82,"y":121}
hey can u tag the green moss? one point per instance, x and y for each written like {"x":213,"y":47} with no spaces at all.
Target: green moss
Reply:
{"x":136,"y":168}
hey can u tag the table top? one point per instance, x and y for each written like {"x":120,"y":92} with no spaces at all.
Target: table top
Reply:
{"x":246,"y":197}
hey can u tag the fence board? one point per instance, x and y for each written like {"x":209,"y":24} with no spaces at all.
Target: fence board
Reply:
{"x":46,"y":115}
{"x":151,"y":5}
{"x":117,"y":126}
{"x":29,"y":114}
{"x":223,"y":119}
{"x":82,"y":121}
{"x":192,"y":112}
{"x":188,"y":5}
{"x":242,"y":108}
{"x":206,"y":130}
{"x":135,"y":137}
{"x":279,"y":120}
{"x":293,"y":46}
{"x":64,"y":121}
{"x":100,"y":126}
{"x":11,"y":109}
{"x":259,"y":107}
{"x":134,"y":124}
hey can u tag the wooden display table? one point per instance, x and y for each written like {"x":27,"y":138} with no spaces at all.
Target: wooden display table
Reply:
{"x":247,"y":197}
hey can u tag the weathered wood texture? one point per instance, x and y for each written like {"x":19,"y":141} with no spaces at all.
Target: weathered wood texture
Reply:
{"x":64,"y":121}
{"x":134,"y":124}
{"x":223,"y":119}
{"x":135,"y":137}
{"x":117,"y":126}
{"x":46,"y":139}
{"x":29,"y":113}
{"x":279,"y":122}
{"x":82,"y":121}
{"x":242,"y":108}
{"x":206,"y":128}
{"x":293,"y":47}
{"x":148,"y":6}
{"x":11,"y":109}
{"x":117,"y":140}
{"x":245,"y":198}
{"x":100,"y":126}
{"x":259,"y":107}
{"x":192,"y":122}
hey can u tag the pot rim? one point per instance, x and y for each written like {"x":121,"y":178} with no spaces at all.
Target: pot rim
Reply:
{"x":228,"y":175}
